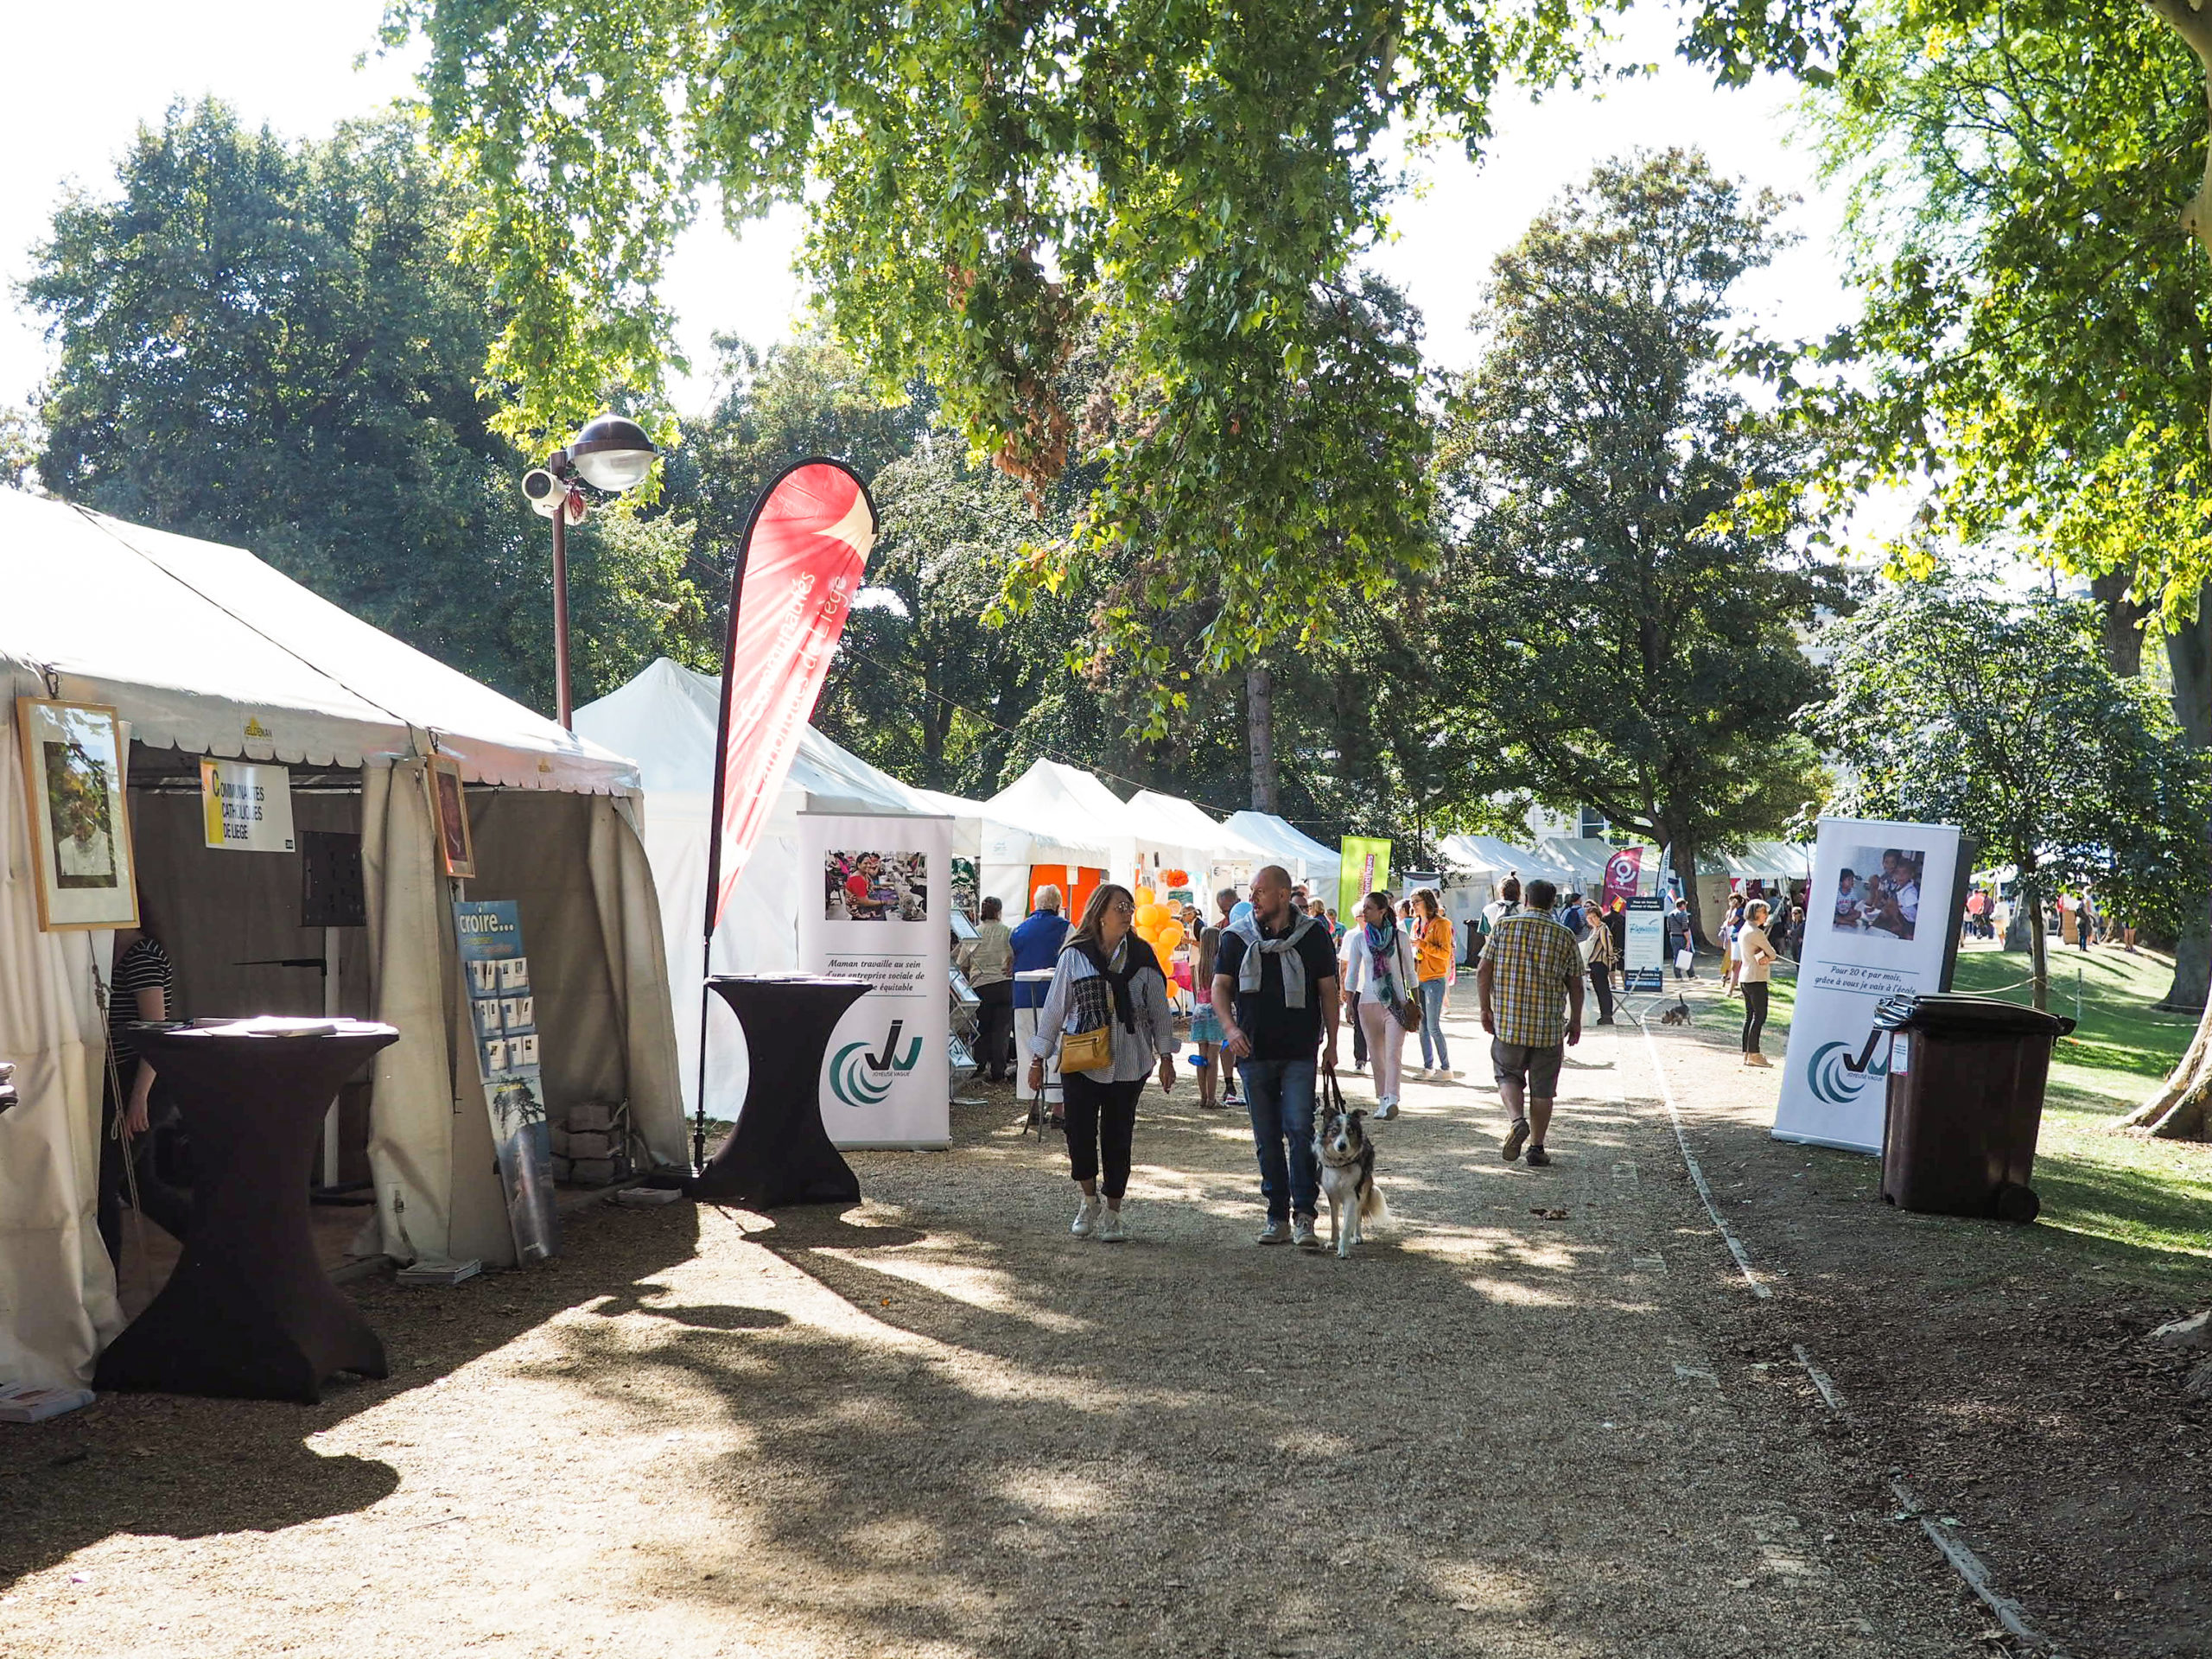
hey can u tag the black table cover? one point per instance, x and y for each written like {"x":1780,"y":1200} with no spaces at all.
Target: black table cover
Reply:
{"x":250,"y":1312}
{"x":779,"y":1153}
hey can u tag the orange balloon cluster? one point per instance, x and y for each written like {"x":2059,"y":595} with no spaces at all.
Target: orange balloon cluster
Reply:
{"x":1156,"y":925}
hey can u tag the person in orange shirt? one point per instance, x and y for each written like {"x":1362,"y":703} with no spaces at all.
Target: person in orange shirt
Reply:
{"x":1433,"y":941}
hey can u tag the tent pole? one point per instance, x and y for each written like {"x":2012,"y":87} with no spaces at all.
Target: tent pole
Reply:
{"x":714,"y":827}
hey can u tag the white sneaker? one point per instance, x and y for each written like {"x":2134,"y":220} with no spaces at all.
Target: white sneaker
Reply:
{"x":1110,"y":1231}
{"x":1303,"y":1236}
{"x":1085,"y":1218}
{"x":1275,"y":1232}
{"x":1386,"y":1108}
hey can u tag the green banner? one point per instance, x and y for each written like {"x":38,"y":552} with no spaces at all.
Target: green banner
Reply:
{"x":1366,"y":869}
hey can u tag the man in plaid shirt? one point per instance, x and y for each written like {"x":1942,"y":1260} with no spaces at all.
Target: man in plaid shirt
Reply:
{"x":1530,"y":981}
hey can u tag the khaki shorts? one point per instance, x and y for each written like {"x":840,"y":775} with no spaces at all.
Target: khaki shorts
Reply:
{"x":1539,"y":1067}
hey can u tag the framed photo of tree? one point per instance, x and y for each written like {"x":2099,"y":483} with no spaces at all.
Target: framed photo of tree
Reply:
{"x":456,"y":845}
{"x":74,"y":756}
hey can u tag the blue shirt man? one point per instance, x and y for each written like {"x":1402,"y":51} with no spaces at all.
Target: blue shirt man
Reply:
{"x":1037,"y":944}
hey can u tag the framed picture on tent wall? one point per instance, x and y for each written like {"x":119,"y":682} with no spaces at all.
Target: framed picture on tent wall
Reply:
{"x":73,"y":758}
{"x":456,"y":846}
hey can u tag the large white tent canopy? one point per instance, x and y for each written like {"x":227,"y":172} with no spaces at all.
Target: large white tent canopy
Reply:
{"x":1284,"y":843}
{"x":206,"y":650}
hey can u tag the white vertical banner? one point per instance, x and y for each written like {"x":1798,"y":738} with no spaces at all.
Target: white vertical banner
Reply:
{"x":877,"y":906}
{"x":1881,"y":919}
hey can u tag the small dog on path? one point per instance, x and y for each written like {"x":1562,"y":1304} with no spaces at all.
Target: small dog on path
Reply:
{"x":1347,"y":1159}
{"x":1677,"y":1015}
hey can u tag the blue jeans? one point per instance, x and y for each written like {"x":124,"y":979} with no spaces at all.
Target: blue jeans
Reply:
{"x":1433,"y":1051}
{"x":1279,"y":1094}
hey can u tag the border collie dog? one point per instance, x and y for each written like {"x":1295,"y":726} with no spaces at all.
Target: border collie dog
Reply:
{"x":1347,"y":1159}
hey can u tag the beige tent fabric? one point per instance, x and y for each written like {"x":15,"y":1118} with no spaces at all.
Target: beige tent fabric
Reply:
{"x":57,"y":1288}
{"x":629,"y":920}
{"x":411,"y":1122}
{"x":225,"y":916}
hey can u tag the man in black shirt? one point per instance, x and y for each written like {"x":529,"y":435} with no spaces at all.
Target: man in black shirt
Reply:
{"x":1274,"y":992}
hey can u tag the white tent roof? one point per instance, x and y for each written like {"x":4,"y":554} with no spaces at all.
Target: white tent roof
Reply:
{"x":1489,"y":855}
{"x":1171,"y":821}
{"x":664,"y":720}
{"x":1066,"y":801}
{"x":1283,"y":842}
{"x":205,"y":648}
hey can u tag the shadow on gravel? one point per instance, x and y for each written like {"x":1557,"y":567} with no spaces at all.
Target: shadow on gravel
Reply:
{"x":173,"y":1466}
{"x":1468,"y":1440}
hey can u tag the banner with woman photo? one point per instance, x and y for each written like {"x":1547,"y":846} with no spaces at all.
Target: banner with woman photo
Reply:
{"x":882,"y":913}
{"x":1881,"y":919}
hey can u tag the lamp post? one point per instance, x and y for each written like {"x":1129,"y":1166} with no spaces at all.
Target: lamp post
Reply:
{"x":611,"y":453}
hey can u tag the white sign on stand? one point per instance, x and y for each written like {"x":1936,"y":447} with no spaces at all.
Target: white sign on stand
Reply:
{"x":1881,"y":920}
{"x":878,"y":907}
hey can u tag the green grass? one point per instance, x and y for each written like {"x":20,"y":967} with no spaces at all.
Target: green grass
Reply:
{"x":2144,"y":1205}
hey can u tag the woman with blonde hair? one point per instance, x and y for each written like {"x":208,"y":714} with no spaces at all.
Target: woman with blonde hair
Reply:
{"x":1106,"y":977}
{"x":1755,"y":957}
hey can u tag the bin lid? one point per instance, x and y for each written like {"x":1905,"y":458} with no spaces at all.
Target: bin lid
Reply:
{"x":1968,"y":1015}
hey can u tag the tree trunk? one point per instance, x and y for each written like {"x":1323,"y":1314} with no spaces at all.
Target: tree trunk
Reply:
{"x":1260,"y":726}
{"x":2178,"y":1111}
{"x":1685,"y":863}
{"x":2189,"y":654}
{"x":2038,"y":955}
{"x":2123,"y":622}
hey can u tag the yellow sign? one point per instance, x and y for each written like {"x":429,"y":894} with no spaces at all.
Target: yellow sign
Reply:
{"x":247,"y":807}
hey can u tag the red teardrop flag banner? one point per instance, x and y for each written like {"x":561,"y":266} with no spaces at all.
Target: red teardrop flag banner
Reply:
{"x":797,"y":570}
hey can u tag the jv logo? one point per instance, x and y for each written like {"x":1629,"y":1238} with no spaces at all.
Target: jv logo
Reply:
{"x":1837,"y":1079}
{"x":860,"y":1078}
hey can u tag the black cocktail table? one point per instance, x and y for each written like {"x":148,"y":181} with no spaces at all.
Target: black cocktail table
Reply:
{"x":779,"y":1153}
{"x":250,"y":1312}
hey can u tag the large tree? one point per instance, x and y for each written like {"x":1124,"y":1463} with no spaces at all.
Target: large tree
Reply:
{"x":1195,"y":183}
{"x":1608,"y":615}
{"x":1957,"y":705}
{"x":273,"y":343}
{"x":2035,"y":327}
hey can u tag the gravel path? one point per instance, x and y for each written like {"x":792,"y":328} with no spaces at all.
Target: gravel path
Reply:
{"x":936,"y":1425}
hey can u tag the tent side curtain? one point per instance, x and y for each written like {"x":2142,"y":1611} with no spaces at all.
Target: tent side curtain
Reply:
{"x":57,"y":1290}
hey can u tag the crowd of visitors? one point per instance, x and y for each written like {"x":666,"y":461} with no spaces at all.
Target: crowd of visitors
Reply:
{"x":1273,"y":978}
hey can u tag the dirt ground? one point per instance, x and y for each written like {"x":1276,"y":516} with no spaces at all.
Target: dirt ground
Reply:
{"x":936,"y":1425}
{"x":2002,"y":1368}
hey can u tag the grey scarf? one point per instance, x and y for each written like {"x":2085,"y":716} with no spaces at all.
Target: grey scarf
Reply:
{"x":1294,"y":965}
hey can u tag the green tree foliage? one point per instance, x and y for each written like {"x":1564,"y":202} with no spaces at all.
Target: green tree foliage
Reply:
{"x":1959,"y":706}
{"x":2035,"y":317}
{"x":986,"y":185}
{"x":274,"y":345}
{"x":1606,"y":616}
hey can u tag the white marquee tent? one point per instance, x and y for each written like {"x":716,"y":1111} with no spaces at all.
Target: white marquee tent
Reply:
{"x":204,"y":650}
{"x":1176,"y":834}
{"x":665,"y":720}
{"x":1307,"y":859}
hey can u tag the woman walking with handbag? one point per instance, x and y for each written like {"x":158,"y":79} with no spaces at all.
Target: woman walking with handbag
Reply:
{"x":1379,"y":971}
{"x":1433,"y":961}
{"x":1107,"y":1015}
{"x":1599,"y":955}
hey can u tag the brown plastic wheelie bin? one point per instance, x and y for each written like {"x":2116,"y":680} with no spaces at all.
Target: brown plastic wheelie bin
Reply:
{"x":1967,"y":1076}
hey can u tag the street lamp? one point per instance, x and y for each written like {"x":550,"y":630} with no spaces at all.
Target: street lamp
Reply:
{"x":611,"y":453}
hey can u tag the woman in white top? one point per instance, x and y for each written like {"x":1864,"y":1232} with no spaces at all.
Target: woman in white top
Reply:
{"x":1106,"y":976}
{"x":1379,"y":969}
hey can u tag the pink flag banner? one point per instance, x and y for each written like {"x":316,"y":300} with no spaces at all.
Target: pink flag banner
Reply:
{"x":798,"y":567}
